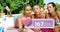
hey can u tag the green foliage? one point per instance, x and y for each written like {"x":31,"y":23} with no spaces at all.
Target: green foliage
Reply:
{"x":17,"y":5}
{"x":21,"y":12}
{"x":58,"y":7}
{"x":1,"y":8}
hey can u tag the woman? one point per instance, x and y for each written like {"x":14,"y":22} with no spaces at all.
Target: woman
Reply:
{"x":25,"y":19}
{"x":52,"y":13}
{"x":38,"y":14}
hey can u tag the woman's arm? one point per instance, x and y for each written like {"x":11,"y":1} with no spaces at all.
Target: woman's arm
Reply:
{"x":8,"y":11}
{"x":19,"y":20}
{"x":58,"y":14}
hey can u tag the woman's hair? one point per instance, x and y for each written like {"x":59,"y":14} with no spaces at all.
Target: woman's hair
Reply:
{"x":33,"y":8}
{"x":37,"y":5}
{"x":53,"y":4}
{"x":26,"y":6}
{"x":44,"y":4}
{"x":5,"y":11}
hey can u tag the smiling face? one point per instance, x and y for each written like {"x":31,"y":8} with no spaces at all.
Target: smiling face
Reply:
{"x":36,"y":9}
{"x":28,"y":10}
{"x":50,"y":8}
{"x":38,"y":12}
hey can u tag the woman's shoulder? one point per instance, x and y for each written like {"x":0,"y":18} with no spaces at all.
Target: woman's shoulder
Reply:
{"x":58,"y":13}
{"x":20,"y":16}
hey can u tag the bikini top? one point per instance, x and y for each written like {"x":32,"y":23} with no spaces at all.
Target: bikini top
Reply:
{"x":26,"y":20}
{"x":58,"y":22}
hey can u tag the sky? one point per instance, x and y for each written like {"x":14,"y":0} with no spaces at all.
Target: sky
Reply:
{"x":55,"y":1}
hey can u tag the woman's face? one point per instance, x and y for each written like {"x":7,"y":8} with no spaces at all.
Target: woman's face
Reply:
{"x":28,"y":10}
{"x":37,"y":10}
{"x":50,"y":8}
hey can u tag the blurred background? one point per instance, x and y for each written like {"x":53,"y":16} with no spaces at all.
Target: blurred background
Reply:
{"x":57,"y":2}
{"x":16,"y":6}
